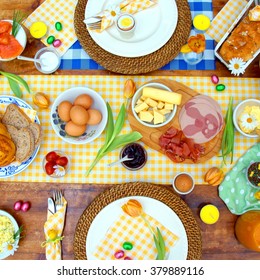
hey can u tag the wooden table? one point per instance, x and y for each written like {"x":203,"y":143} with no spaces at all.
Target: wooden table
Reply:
{"x":218,"y":240}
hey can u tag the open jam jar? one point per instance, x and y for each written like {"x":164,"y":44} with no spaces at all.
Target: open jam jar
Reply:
{"x":135,"y":151}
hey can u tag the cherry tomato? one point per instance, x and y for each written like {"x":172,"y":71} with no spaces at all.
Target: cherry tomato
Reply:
{"x":63,"y":161}
{"x":49,"y":167}
{"x":52,"y":156}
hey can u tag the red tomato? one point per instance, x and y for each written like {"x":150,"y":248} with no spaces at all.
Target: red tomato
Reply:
{"x":49,"y":167}
{"x":52,"y":156}
{"x":63,"y":161}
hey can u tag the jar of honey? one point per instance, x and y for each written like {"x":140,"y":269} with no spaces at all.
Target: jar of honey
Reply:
{"x":247,"y":230}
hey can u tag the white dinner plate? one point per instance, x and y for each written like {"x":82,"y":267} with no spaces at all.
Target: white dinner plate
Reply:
{"x":154,"y":27}
{"x":16,"y":228}
{"x":13,"y":169}
{"x":158,"y":210}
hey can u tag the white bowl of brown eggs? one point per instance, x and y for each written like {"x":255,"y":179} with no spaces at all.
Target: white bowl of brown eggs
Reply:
{"x":79,"y":115}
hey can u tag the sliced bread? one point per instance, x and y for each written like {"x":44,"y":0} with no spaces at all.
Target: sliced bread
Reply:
{"x":15,"y":116}
{"x":24,"y":142}
{"x":37,"y":133}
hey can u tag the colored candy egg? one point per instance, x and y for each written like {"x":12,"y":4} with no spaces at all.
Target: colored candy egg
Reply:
{"x":119,"y":254}
{"x":50,"y":39}
{"x":127,"y":258}
{"x":58,"y":26}
{"x":57,"y":43}
{"x":214,"y":79}
{"x":128,"y":246}
{"x":220,"y":87}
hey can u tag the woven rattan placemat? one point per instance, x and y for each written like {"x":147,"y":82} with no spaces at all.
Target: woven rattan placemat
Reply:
{"x":158,"y":192}
{"x":137,"y":65}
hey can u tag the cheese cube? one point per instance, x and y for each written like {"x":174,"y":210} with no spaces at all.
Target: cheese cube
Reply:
{"x":168,"y":106}
{"x":158,"y":117}
{"x":164,"y":111}
{"x":152,"y":103}
{"x":146,"y":116}
{"x":160,"y":105}
{"x":141,"y":107}
{"x":139,"y":101}
{"x":162,"y":95}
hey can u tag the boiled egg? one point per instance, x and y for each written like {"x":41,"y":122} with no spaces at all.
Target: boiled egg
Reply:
{"x":95,"y":117}
{"x":79,"y":115}
{"x":64,"y":110}
{"x":84,"y":100}
{"x":73,"y":129}
{"x":125,"y":22}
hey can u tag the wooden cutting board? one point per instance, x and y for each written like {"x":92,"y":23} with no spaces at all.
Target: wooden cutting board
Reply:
{"x":151,"y":135}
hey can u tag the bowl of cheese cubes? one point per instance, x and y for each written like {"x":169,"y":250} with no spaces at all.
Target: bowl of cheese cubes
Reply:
{"x":155,"y":105}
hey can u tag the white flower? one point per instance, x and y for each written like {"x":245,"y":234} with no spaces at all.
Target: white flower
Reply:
{"x":10,"y":247}
{"x":247,"y":122}
{"x":236,"y":66}
{"x":59,"y":170}
{"x":112,"y":13}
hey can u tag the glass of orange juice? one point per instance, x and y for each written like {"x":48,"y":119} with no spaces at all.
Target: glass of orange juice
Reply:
{"x":247,"y":230}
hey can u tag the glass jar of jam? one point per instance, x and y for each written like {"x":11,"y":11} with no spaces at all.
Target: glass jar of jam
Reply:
{"x":138,"y":155}
{"x":247,"y":230}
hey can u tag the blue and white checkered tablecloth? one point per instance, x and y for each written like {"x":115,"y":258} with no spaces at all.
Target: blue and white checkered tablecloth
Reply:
{"x":76,"y":58}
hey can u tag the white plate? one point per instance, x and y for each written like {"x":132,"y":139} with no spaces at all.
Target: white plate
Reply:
{"x":16,"y":227}
{"x":158,"y":210}
{"x":154,"y":27}
{"x":13,"y":169}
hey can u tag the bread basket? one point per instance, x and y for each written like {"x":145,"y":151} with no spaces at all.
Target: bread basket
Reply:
{"x":232,"y":27}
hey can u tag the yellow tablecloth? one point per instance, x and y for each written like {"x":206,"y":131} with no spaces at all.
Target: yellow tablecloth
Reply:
{"x":159,"y":169}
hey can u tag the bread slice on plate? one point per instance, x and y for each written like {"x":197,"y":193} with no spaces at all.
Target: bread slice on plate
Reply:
{"x":15,"y":116}
{"x":37,"y":133}
{"x":24,"y":142}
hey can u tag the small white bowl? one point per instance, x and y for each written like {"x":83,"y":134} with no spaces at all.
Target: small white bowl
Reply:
{"x":20,"y":37}
{"x":184,"y":192}
{"x":92,"y":131}
{"x":138,"y":94}
{"x":239,"y":109}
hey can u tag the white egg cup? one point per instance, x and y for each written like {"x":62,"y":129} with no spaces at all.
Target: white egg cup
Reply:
{"x":129,"y":32}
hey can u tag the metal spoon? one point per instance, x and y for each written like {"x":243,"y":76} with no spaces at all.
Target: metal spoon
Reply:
{"x":30,"y":59}
{"x":125,"y":158}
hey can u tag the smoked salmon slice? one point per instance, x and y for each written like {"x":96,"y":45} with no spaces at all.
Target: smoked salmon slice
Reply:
{"x":12,"y":49}
{"x":5,"y":27}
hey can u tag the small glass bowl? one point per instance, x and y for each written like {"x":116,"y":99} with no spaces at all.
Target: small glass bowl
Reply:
{"x":48,"y":55}
{"x":187,"y":179}
{"x":253,"y":165}
{"x":63,"y":169}
{"x":136,"y":151}
{"x":193,"y":58}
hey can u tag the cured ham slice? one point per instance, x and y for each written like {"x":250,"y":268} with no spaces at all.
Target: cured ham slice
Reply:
{"x":201,"y":119}
{"x":178,"y":148}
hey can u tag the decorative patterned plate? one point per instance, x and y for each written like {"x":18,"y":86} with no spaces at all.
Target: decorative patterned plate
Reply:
{"x":13,"y":169}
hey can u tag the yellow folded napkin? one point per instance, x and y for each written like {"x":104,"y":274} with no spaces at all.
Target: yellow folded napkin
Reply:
{"x":52,"y":11}
{"x":126,"y":6}
{"x":54,"y":224}
{"x":135,"y":231}
{"x":225,"y":18}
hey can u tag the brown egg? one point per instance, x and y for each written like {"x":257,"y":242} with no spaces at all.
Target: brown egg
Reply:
{"x":84,"y":100}
{"x":95,"y":117}
{"x":75,"y":130}
{"x":64,"y":110}
{"x":79,"y":115}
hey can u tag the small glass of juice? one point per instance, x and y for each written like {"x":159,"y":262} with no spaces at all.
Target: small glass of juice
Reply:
{"x":183,"y":183}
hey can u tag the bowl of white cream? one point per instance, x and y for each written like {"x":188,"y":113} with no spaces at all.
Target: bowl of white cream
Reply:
{"x":48,"y":60}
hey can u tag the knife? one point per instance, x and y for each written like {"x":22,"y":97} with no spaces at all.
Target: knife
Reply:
{"x":51,"y":205}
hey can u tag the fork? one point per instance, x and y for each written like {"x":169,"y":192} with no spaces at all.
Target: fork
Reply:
{"x":93,"y":25}
{"x":57,"y":195}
